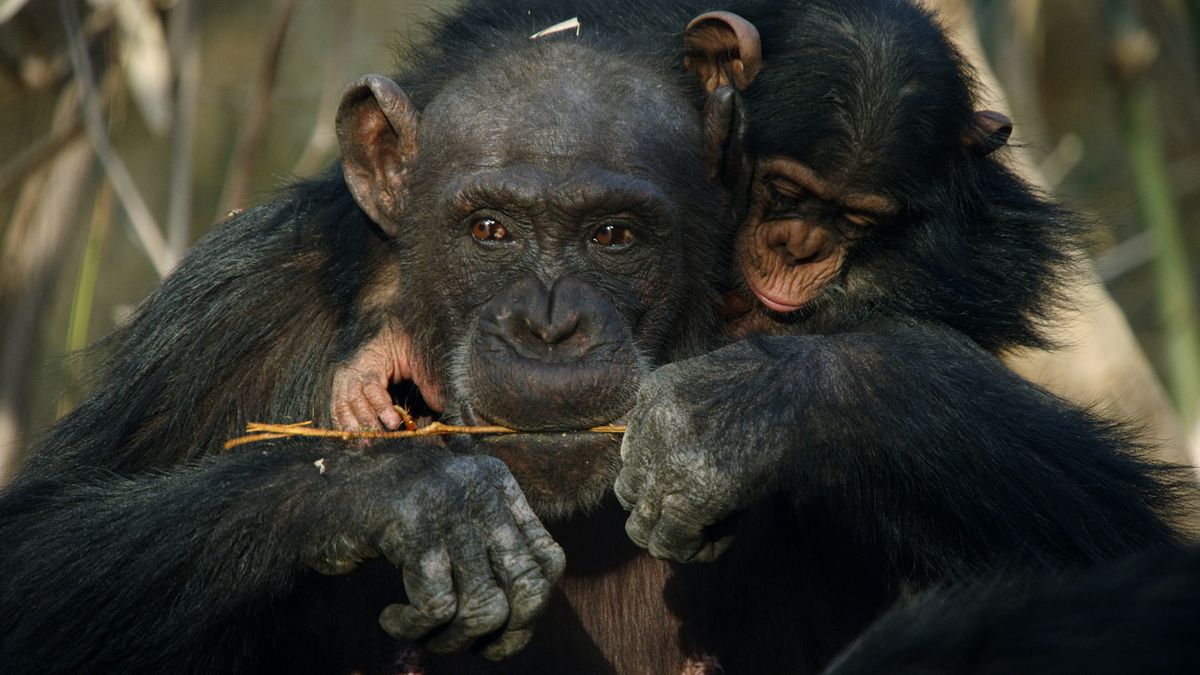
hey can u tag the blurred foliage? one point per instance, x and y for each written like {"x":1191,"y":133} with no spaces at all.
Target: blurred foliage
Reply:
{"x":214,"y":105}
{"x":1107,"y":96}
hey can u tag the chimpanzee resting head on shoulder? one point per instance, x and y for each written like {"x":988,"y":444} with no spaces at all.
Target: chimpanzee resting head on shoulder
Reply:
{"x":556,"y":234}
{"x":872,"y":191}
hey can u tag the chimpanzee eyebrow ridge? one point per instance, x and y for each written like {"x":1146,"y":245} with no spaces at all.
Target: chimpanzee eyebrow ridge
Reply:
{"x":595,"y":191}
{"x":801,"y":174}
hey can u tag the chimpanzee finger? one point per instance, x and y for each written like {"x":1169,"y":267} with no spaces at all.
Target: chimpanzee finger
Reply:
{"x":380,"y":400}
{"x":429,"y":584}
{"x":628,"y":486}
{"x":508,"y":644}
{"x":643,"y":518}
{"x":343,"y":416}
{"x":528,"y":591}
{"x":482,"y":604}
{"x":713,"y":549}
{"x":679,"y":533}
{"x":364,"y":416}
{"x":548,"y":554}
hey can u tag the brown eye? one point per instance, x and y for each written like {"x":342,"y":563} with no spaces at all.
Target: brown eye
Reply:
{"x":488,"y":229}
{"x":616,"y":236}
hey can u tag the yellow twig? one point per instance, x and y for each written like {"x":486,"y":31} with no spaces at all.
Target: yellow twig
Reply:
{"x":260,"y":431}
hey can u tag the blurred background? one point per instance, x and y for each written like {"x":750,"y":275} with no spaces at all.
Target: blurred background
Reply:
{"x":120,"y":149}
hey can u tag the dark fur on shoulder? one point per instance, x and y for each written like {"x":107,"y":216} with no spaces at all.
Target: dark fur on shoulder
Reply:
{"x":1138,"y":615}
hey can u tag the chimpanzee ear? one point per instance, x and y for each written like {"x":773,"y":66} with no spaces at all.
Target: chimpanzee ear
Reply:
{"x":724,"y":131}
{"x":377,"y":134}
{"x":723,"y":49}
{"x":989,"y":133}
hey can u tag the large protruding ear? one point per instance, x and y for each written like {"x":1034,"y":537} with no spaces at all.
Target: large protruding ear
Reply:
{"x":989,"y":133}
{"x":723,"y":49}
{"x":725,"y":52}
{"x":724,"y":131}
{"x":377,"y":134}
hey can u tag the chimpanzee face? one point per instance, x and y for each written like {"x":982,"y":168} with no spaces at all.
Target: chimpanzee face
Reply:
{"x":558,"y":232}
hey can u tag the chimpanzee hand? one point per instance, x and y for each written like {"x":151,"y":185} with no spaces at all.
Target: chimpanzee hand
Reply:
{"x":475,"y":558}
{"x":701,"y":446}
{"x":360,"y":385}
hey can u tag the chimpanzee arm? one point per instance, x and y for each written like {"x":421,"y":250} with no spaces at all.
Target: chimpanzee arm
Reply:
{"x":932,"y":452}
{"x":185,"y":570}
{"x":1137,"y":615}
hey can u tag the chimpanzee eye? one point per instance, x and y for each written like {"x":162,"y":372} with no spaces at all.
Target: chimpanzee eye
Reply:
{"x":613,"y":236}
{"x":488,"y":229}
{"x":786,"y":202}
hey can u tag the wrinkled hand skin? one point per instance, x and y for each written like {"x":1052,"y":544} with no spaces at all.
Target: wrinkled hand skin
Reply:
{"x":360,"y":398}
{"x":476,"y":561}
{"x":697,"y":451}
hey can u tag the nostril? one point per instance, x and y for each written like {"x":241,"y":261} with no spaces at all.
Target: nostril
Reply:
{"x":555,"y":332}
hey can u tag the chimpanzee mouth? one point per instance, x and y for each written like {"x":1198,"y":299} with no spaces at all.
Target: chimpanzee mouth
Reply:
{"x":560,"y":471}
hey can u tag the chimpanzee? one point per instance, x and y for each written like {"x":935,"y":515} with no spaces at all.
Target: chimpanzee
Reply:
{"x":546,"y":217}
{"x":885,"y":257}
{"x":561,"y":183}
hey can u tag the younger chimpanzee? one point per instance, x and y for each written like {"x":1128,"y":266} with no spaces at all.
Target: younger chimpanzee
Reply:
{"x":890,"y":257}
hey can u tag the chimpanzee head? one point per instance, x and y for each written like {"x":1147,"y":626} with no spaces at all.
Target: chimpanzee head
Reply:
{"x":558,"y":238}
{"x":868,"y":187}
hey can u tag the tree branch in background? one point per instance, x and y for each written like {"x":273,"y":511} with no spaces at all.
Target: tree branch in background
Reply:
{"x":250,"y":137}
{"x":322,"y":141}
{"x":35,"y":156}
{"x":185,"y":48}
{"x":1101,"y":362}
{"x":143,"y":225}
{"x":1134,"y":52}
{"x":35,"y":246}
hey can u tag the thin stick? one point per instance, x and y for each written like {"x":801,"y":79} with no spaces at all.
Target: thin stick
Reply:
{"x":145,"y":229}
{"x":260,"y":431}
{"x":185,"y":50}
{"x":39,"y":153}
{"x":237,"y":185}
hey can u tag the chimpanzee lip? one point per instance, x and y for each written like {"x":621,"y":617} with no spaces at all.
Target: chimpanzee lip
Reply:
{"x":472,"y":417}
{"x":771,"y":303}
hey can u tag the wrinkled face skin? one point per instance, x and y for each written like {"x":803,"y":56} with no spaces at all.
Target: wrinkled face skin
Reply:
{"x":797,"y":233}
{"x":562,"y":239}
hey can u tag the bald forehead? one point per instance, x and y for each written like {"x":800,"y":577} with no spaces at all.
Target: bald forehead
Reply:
{"x":558,"y":103}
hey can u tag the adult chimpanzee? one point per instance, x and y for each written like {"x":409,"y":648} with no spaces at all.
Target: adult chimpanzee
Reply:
{"x":546,"y":220}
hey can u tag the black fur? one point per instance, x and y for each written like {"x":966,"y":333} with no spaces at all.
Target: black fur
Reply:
{"x":884,"y":449}
{"x":1135,"y":616}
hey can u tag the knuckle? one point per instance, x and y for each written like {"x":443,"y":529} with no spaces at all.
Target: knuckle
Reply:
{"x":439,"y":608}
{"x":529,"y":594}
{"x":623,"y":488}
{"x":637,"y":530}
{"x":555,"y":563}
{"x":484,"y":610}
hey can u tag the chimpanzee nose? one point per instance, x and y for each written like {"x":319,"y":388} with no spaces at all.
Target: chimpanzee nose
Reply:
{"x":551,"y":358}
{"x":545,"y":324}
{"x":557,"y":327}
